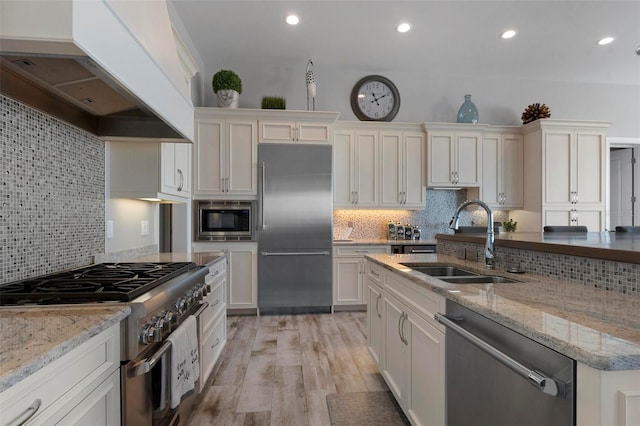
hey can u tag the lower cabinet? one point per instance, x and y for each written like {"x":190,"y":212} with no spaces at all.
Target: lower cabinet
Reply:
{"x":80,"y":388}
{"x":349,"y":271}
{"x":242,"y":274}
{"x":407,"y":344}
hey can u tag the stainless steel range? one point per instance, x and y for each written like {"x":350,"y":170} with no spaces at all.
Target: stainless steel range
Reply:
{"x":161,"y":297}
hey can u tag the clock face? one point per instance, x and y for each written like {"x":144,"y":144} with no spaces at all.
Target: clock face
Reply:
{"x":375,"y":98}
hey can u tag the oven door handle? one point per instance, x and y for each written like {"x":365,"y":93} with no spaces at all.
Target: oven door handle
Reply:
{"x":543,"y":383}
{"x":143,"y":367}
{"x":201,"y":309}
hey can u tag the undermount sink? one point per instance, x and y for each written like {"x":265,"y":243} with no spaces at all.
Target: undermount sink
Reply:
{"x":479,"y":279}
{"x":342,"y":241}
{"x":439,"y":271}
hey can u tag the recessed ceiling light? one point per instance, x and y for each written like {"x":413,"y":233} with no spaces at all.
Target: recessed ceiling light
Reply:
{"x":508,"y":34}
{"x":605,"y":40}
{"x":293,"y":20}
{"x":638,"y":50}
{"x":404,"y":27}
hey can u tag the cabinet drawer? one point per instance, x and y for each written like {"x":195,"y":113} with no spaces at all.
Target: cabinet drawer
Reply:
{"x":216,"y":301}
{"x":423,"y":301}
{"x":216,"y":271}
{"x":64,"y":380}
{"x":360,"y":250}
{"x":375,"y":273}
{"x":211,"y":346}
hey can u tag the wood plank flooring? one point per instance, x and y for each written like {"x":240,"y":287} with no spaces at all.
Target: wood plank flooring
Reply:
{"x":278,"y":370}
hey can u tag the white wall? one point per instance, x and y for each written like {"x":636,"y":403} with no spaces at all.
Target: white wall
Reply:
{"x":436,"y":95}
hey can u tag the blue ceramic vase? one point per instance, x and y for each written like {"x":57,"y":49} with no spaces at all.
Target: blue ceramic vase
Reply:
{"x":468,"y":113}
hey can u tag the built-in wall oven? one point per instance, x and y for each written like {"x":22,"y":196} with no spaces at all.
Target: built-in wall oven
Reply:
{"x":224,"y":220}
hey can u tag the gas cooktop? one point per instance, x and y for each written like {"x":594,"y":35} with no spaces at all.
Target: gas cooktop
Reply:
{"x":104,"y":282}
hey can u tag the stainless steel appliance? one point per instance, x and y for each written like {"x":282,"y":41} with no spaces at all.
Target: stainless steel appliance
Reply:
{"x":161,"y":297}
{"x":495,"y":376}
{"x":295,"y":232}
{"x":224,"y":220}
{"x":414,"y":248}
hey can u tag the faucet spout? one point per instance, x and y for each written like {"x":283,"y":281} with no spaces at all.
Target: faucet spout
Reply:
{"x":489,"y":246}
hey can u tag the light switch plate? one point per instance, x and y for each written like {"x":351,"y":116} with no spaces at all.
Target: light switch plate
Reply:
{"x":461,"y":253}
{"x":144,"y":227}
{"x":109,"y":230}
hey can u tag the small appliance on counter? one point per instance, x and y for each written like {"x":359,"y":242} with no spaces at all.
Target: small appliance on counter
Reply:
{"x":398,"y":231}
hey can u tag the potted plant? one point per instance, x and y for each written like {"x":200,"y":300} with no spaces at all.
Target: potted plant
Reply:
{"x":274,"y":102}
{"x":227,"y":86}
{"x":510,"y":226}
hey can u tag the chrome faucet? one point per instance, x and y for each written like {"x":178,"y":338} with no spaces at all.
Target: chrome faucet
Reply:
{"x":489,"y":246}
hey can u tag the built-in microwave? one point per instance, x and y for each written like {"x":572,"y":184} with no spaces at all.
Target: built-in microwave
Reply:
{"x":224,"y":220}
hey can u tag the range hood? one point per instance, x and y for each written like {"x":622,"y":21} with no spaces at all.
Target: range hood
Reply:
{"x":75,"y":90}
{"x":98,"y":66}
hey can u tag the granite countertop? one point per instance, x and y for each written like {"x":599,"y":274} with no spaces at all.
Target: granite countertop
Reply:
{"x":616,"y":246}
{"x":200,"y":259}
{"x":382,"y":242}
{"x":595,"y":327}
{"x":33,"y":337}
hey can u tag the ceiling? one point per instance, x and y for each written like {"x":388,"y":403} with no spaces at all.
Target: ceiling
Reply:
{"x":556,"y":40}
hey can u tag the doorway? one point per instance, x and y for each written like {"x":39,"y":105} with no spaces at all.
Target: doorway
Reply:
{"x":624,"y":184}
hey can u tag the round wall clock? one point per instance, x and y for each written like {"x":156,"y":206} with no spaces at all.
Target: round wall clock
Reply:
{"x":375,"y":98}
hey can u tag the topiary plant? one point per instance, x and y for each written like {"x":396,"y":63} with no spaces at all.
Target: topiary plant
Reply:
{"x":226,"y":80}
{"x":274,"y":102}
{"x":510,"y":225}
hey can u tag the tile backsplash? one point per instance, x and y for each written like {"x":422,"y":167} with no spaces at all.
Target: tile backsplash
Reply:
{"x":433,"y":219}
{"x":52,"y":212}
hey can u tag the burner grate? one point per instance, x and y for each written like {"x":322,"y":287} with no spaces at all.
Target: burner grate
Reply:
{"x":121,"y":282}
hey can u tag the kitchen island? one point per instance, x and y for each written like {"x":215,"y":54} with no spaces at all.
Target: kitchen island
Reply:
{"x":584,"y":306}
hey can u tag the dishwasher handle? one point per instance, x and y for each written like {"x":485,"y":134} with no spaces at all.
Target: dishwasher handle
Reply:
{"x":543,"y":383}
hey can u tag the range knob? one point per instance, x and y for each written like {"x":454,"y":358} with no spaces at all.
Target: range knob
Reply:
{"x":148,"y":334}
{"x":169,"y":320}
{"x":205,"y":289}
{"x":158,"y":326}
{"x":181,"y":306}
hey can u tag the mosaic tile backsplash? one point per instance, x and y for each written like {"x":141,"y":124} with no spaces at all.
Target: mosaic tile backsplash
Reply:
{"x":603,"y":274}
{"x":434,"y":219}
{"x":52,"y":212}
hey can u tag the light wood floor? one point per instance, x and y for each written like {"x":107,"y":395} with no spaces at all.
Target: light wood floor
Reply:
{"x":278,"y":370}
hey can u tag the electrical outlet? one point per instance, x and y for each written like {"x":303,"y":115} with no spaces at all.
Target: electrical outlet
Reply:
{"x":461,"y":253}
{"x":109,"y":230}
{"x":144,"y":227}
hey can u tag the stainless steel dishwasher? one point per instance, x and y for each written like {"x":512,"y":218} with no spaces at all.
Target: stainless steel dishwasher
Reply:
{"x":495,"y":376}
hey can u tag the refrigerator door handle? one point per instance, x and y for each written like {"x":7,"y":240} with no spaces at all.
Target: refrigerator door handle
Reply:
{"x":262,"y":226}
{"x":301,"y":253}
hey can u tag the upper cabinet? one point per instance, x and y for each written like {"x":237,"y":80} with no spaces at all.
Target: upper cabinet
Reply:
{"x":225,"y":154}
{"x":454,"y":153}
{"x":296,"y":126}
{"x":503,"y":168}
{"x":149,"y":170}
{"x":565,"y":174}
{"x":379,"y":165}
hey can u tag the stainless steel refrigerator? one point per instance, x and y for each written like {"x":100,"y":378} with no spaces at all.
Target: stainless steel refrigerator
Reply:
{"x":295,"y":231}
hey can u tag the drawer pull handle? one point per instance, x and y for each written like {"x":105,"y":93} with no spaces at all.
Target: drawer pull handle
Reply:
{"x":362,"y":251}
{"x":216,"y":302}
{"x":216,"y":343}
{"x":29,"y":412}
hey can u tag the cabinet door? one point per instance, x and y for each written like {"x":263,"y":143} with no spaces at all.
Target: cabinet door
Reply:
{"x":557,"y":167}
{"x":511,"y":166}
{"x":425,"y":403}
{"x":242,"y":158}
{"x":343,"y":163}
{"x":413,"y":170}
{"x":375,"y":323}
{"x":467,"y":162}
{"x":366,"y":169}
{"x":347,"y":280}
{"x":491,"y":176}
{"x":558,"y":217}
{"x":395,"y":351}
{"x":277,"y":131}
{"x":242,"y":291}
{"x":391,"y":173}
{"x":100,"y":408}
{"x":593,"y":219}
{"x":589,"y":168}
{"x":209,"y":158}
{"x":168,"y":173}
{"x":313,"y":132}
{"x":440,"y":157}
{"x":183,"y":167}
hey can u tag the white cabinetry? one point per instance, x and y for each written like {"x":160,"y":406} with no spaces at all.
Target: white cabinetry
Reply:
{"x":503,"y":168}
{"x":81,"y":387}
{"x":454,"y":153}
{"x":225,"y":155}
{"x":212,"y":325}
{"x":379,"y":165}
{"x":412,"y":343}
{"x":242,"y":273}
{"x":296,"y":126}
{"x":150,"y":170}
{"x":349,"y":272}
{"x":565,"y":174}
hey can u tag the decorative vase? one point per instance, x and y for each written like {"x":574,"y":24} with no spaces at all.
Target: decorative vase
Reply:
{"x":468,"y":113}
{"x":228,"y":98}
